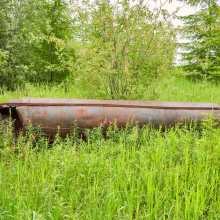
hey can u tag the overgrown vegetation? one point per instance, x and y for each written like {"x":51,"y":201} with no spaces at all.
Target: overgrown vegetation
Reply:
{"x":133,"y":173}
{"x":123,"y":47}
{"x":109,"y":50}
{"x":175,"y":88}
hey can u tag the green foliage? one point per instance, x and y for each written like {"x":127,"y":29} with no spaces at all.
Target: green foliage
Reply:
{"x":133,"y":173}
{"x":123,"y":46}
{"x":2,"y":28}
{"x":53,"y":46}
{"x":3,"y":61}
{"x":202,"y":52}
{"x":107,"y":50}
{"x":18,"y":23}
{"x":36,"y":36}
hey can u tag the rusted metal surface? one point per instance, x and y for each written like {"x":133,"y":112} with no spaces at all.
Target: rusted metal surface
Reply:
{"x":50,"y":113}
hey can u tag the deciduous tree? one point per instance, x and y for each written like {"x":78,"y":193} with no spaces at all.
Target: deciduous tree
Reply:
{"x":123,"y":46}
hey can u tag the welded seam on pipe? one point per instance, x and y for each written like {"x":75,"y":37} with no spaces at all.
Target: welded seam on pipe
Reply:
{"x":107,"y":105}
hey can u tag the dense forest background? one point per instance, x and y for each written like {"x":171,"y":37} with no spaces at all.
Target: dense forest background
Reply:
{"x":106,"y":49}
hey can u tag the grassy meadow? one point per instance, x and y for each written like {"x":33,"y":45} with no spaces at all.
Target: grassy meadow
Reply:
{"x":168,"y":89}
{"x":133,"y":173}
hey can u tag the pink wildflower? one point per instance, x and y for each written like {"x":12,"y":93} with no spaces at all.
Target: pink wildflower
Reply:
{"x":105,"y":122}
{"x":137,"y":122}
{"x":110,"y":122}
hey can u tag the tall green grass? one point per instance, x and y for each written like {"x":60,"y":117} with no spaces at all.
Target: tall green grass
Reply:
{"x":168,"y":89}
{"x":185,"y":90}
{"x":133,"y":173}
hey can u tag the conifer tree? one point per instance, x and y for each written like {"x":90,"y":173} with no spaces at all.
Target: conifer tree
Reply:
{"x":202,"y":30}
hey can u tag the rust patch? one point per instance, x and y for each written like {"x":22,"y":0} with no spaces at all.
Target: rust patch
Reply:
{"x":61,"y":112}
{"x":79,"y":112}
{"x":45,"y":112}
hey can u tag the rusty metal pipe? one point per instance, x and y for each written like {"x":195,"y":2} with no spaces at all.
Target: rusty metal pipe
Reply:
{"x":50,"y":113}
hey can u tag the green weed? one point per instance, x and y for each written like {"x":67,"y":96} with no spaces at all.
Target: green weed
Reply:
{"x":132,"y":173}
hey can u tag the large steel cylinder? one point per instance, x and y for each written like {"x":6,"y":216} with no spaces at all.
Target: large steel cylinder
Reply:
{"x":50,"y":113}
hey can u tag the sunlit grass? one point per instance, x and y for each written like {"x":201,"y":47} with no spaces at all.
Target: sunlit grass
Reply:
{"x":135,"y":173}
{"x":184,"y":90}
{"x":172,"y":89}
{"x":41,"y":91}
